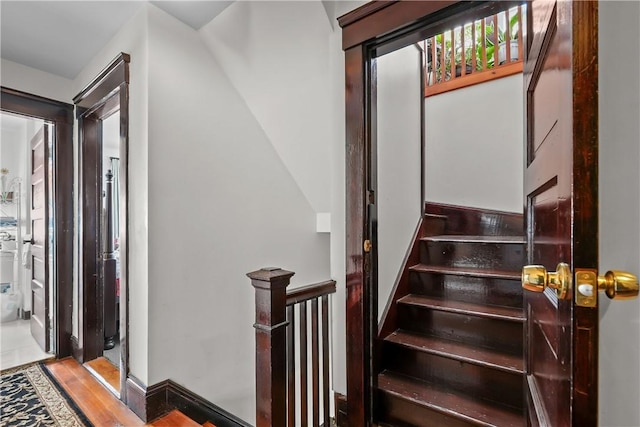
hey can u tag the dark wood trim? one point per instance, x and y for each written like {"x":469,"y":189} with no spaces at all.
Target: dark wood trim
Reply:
{"x":199,"y":409}
{"x":76,"y":351}
{"x":108,"y":81}
{"x":340,"y":405}
{"x":61,"y":114}
{"x":585,"y":208}
{"x":362,"y":12}
{"x":150,"y":403}
{"x":309,"y":292}
{"x":107,"y":93}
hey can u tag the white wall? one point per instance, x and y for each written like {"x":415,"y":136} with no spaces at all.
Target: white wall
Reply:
{"x":132,"y":39}
{"x":399,"y":149}
{"x":474,"y":146}
{"x":619,"y":189}
{"x":275,"y":54}
{"x":221,"y":203}
{"x":30,"y":80}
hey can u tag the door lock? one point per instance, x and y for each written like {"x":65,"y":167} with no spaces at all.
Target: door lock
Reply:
{"x":618,"y":285}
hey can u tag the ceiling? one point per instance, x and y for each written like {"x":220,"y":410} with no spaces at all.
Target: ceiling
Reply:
{"x":61,"y":37}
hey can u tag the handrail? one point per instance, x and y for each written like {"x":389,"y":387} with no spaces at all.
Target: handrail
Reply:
{"x":277,"y":326}
{"x":309,"y":292}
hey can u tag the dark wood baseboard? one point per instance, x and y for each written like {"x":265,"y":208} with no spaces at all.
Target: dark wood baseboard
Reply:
{"x":341,"y":409}
{"x":152,"y":402}
{"x":148,"y":403}
{"x":76,"y":351}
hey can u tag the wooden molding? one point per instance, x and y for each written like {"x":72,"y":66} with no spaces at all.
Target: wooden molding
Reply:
{"x":474,"y":79}
{"x":76,"y":351}
{"x":109,"y":80}
{"x":150,"y":403}
{"x":340,"y":401}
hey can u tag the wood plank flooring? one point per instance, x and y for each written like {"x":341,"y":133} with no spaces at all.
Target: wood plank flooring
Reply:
{"x":105,"y":369}
{"x":99,"y":405}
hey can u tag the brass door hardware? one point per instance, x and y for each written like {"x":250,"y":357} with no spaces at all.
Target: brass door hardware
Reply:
{"x":536,"y":278}
{"x":618,"y":285}
{"x":367,"y":246}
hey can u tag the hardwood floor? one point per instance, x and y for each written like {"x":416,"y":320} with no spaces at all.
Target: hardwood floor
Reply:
{"x":105,"y":369}
{"x":99,"y":405}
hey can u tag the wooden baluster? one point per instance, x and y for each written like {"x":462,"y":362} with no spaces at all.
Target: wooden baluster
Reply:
{"x":434,"y":58}
{"x":315,"y":369}
{"x":291,"y":368}
{"x":271,"y":366}
{"x":520,"y":35}
{"x":463,"y":61}
{"x":474,"y":60}
{"x":304,"y":417}
{"x":483,"y":28}
{"x":325,"y":358}
{"x":452,"y":54}
{"x":442,"y":64}
{"x":496,"y":43}
{"x":508,"y":37}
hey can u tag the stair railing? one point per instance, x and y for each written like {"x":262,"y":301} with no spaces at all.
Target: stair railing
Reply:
{"x":277,"y":326}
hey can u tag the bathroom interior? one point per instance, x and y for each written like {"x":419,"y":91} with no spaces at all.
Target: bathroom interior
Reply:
{"x":17,"y":345}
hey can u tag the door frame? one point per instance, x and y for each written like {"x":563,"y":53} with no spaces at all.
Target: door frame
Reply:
{"x":61,"y":115}
{"x":99,"y":99}
{"x":368,"y":32}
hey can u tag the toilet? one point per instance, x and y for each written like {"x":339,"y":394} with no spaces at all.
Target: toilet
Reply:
{"x":9,"y":296}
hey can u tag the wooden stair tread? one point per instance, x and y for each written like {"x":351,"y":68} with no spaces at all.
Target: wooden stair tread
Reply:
{"x":175,"y":418}
{"x":458,"y":351}
{"x":208,"y":424}
{"x":480,"y":310}
{"x":432,"y":215}
{"x":448,"y":402}
{"x":475,"y":239}
{"x":464,"y":271}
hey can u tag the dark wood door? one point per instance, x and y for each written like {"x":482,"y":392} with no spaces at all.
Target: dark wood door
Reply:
{"x":40,"y":239}
{"x":561,"y":83}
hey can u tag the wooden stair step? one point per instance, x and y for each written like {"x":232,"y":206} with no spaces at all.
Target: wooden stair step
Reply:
{"x":175,"y":418}
{"x":458,"y":351}
{"x":480,"y":310}
{"x":475,"y":239}
{"x":457,"y":405}
{"x":473,"y":272}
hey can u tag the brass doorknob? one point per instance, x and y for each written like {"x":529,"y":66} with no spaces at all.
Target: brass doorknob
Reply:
{"x":618,"y":285}
{"x":536,"y":278}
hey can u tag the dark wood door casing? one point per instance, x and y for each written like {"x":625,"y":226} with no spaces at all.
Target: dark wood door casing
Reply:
{"x":60,"y":115}
{"x":106,"y":94}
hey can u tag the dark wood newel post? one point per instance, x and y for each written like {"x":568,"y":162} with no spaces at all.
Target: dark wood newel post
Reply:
{"x":271,"y":362}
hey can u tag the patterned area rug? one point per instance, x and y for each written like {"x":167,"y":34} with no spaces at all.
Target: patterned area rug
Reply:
{"x":30,"y":396}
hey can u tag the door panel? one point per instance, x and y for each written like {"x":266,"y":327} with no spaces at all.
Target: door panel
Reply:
{"x":560,"y":75}
{"x":39,"y":247}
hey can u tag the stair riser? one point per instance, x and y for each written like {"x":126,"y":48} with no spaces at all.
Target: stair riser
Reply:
{"x":469,"y":289}
{"x":489,"y":333}
{"x":502,"y":256}
{"x":484,"y":382}
{"x":471,"y":221}
{"x":401,"y":413}
{"x":434,"y":225}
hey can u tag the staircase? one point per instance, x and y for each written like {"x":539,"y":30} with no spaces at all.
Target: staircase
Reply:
{"x":451,"y":342}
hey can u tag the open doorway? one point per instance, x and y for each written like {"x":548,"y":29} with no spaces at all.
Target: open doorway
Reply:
{"x":102,"y":110}
{"x":36,"y":228}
